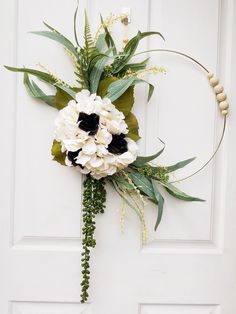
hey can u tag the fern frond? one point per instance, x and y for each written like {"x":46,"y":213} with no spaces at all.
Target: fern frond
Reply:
{"x":89,"y":47}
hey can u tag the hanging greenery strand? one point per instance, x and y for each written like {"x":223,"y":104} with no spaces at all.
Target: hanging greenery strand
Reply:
{"x":94,"y":198}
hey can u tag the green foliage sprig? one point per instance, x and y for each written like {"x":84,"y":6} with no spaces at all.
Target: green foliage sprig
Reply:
{"x":94,"y":198}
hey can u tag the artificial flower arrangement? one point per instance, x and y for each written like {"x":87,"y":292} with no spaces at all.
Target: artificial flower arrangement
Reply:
{"x":96,"y":132}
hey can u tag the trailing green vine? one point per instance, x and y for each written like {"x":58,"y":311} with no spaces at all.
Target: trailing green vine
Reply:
{"x":94,"y":198}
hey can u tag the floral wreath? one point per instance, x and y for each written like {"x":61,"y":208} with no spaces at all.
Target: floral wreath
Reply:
{"x":96,"y":132}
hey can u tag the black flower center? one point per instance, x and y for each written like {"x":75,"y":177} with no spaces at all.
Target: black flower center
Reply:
{"x":89,"y":122}
{"x":118,"y":144}
{"x":72,"y":157}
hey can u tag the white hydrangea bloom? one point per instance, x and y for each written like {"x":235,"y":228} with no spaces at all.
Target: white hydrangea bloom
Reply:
{"x":92,"y":132}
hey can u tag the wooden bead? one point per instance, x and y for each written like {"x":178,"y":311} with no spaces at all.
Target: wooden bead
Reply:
{"x":210,"y":75}
{"x":221,"y":97}
{"x":125,"y":40}
{"x":218,"y":89}
{"x":224,"y":112}
{"x":214,"y":81}
{"x":223,"y":105}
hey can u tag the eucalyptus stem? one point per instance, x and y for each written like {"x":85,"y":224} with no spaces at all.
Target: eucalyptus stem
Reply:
{"x":94,"y":198}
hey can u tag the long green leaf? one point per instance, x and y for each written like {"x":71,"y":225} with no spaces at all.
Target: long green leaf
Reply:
{"x":130,"y":49}
{"x":101,"y":42}
{"x":143,"y":184}
{"x":56,"y":31}
{"x":58,"y":101}
{"x":125,"y":102}
{"x":123,"y":184}
{"x":150,"y":86}
{"x":58,"y":37}
{"x":138,"y":37}
{"x":75,"y":20}
{"x":136,"y":66}
{"x":114,"y":184}
{"x":160,"y":201}
{"x":142,"y":160}
{"x":108,"y":38}
{"x":68,"y":90}
{"x":34,"y":91}
{"x":180,"y":164}
{"x":150,"y":90}
{"x":119,"y":87}
{"x":128,"y":53}
{"x":96,"y":73}
{"x":174,"y":191}
{"x":41,"y":75}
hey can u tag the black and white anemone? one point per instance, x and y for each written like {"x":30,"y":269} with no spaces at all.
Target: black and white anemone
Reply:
{"x":93,"y":133}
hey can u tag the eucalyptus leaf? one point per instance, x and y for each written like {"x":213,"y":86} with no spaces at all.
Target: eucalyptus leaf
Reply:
{"x":122,"y":182}
{"x":180,"y":164}
{"x":143,"y":183}
{"x":119,"y":87}
{"x":160,"y":201}
{"x":174,"y":191}
{"x":142,"y":160}
{"x":125,"y":102}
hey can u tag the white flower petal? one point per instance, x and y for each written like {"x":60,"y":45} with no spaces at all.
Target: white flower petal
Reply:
{"x":89,"y":147}
{"x":101,"y":150}
{"x":72,"y":145}
{"x":103,"y":137}
{"x":126,"y":158}
{"x":82,"y":159}
{"x":96,"y":162}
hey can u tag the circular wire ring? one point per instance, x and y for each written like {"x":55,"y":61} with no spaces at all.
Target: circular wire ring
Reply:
{"x":224,"y":111}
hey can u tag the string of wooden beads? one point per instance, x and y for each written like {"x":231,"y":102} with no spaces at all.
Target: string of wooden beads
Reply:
{"x":125,"y":21}
{"x":221,"y":97}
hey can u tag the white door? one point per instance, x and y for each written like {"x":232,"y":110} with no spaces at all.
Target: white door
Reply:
{"x":189,"y":264}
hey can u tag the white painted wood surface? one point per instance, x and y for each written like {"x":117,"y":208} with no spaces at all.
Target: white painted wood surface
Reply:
{"x":188,"y":266}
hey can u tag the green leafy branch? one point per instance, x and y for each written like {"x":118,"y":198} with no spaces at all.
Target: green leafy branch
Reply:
{"x":94,"y":198}
{"x":146,"y":177}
